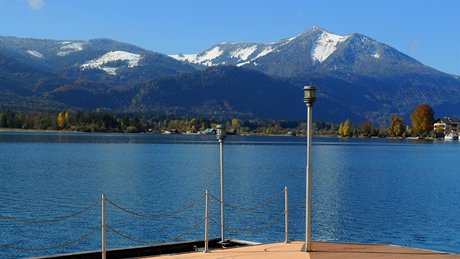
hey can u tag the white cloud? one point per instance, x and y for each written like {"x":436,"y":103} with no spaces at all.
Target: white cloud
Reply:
{"x":36,"y":4}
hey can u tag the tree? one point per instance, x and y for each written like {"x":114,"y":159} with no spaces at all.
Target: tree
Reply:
{"x":3,"y":123}
{"x":366,"y":129}
{"x":422,"y":119}
{"x":346,"y":129}
{"x":67,"y":119}
{"x":397,"y":126}
{"x":60,"y":120}
{"x":235,"y":123}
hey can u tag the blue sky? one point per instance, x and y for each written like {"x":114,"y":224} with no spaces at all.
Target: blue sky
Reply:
{"x":428,"y":31}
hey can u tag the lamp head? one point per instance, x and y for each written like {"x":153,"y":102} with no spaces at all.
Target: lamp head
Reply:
{"x":309,"y":94}
{"x":220,"y":132}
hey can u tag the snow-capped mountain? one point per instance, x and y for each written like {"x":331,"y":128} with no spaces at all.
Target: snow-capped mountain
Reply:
{"x":228,"y":53}
{"x":99,"y":57}
{"x":315,"y":50}
{"x":380,"y":78}
{"x":357,"y":78}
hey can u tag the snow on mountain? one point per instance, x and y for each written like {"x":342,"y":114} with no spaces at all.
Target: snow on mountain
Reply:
{"x":70,"y":47}
{"x":191,"y":58}
{"x":35,"y":54}
{"x":210,"y":55}
{"x":243,"y":53}
{"x":326,"y":45}
{"x":264,"y":52}
{"x":231,"y":53}
{"x":205,"y":59}
{"x":104,"y":62}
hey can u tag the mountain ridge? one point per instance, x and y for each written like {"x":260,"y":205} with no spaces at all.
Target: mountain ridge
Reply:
{"x":357,"y":77}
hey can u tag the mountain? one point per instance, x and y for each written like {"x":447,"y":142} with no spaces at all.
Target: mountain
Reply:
{"x":52,"y":74}
{"x":98,"y":59}
{"x":372,"y":79}
{"x":357,"y":77}
{"x":221,"y":91}
{"x":315,"y":50}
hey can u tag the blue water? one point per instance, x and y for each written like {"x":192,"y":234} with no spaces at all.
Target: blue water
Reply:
{"x":364,"y":190}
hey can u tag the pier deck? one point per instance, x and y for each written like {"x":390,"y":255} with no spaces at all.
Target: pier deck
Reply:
{"x":320,"y":250}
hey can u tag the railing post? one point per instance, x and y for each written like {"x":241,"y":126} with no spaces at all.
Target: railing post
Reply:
{"x":104,"y":228}
{"x":286,"y":215}
{"x":206,"y":224}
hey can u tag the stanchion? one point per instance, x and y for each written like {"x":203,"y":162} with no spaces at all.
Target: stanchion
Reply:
{"x":206,"y":224}
{"x":104,"y":228}
{"x":286,"y":215}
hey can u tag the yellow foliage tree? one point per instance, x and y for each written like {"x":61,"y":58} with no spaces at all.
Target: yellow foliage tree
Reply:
{"x":346,"y":129}
{"x":61,"y":120}
{"x":67,"y":118}
{"x":236,"y":123}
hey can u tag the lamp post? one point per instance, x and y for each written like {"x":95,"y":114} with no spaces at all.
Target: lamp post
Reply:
{"x":309,"y":99}
{"x":221,"y":134}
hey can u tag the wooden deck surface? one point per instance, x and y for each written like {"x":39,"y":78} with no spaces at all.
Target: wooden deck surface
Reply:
{"x":320,"y":250}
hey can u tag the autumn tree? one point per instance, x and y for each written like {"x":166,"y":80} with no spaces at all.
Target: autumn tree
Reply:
{"x":397,"y":126}
{"x":366,"y":129}
{"x":346,"y":129}
{"x":235,"y":123}
{"x":422,"y":119}
{"x":60,"y":120}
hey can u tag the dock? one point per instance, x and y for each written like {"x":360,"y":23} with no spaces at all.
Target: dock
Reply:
{"x":321,"y":250}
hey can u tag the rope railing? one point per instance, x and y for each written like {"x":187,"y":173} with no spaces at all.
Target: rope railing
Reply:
{"x":253,"y":230}
{"x":259,"y":206}
{"x":54,"y":219}
{"x":81,"y":238}
{"x":284,"y":213}
{"x":178,"y":237}
{"x":166,"y":215}
{"x":206,"y":221}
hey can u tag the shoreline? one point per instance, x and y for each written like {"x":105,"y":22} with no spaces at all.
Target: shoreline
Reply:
{"x":19,"y":130}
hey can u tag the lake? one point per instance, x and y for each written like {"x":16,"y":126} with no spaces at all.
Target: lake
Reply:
{"x":364,"y":190}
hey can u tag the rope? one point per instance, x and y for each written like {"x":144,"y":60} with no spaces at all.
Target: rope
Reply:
{"x":51,"y":247}
{"x":126,"y":236}
{"x":157,"y":242}
{"x":191,"y":204}
{"x":214,"y":222}
{"x":55,"y":219}
{"x":271,"y":223}
{"x":262,"y":205}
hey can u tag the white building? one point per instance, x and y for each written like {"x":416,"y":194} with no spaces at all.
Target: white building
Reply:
{"x":445,"y":126}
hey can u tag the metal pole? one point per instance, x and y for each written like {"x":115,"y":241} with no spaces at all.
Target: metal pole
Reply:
{"x":222,"y":213}
{"x":206,"y":224}
{"x":308,"y":179}
{"x":104,"y":228}
{"x":286,"y":215}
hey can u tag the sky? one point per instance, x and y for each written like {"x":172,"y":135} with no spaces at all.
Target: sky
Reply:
{"x":427,"y":30}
